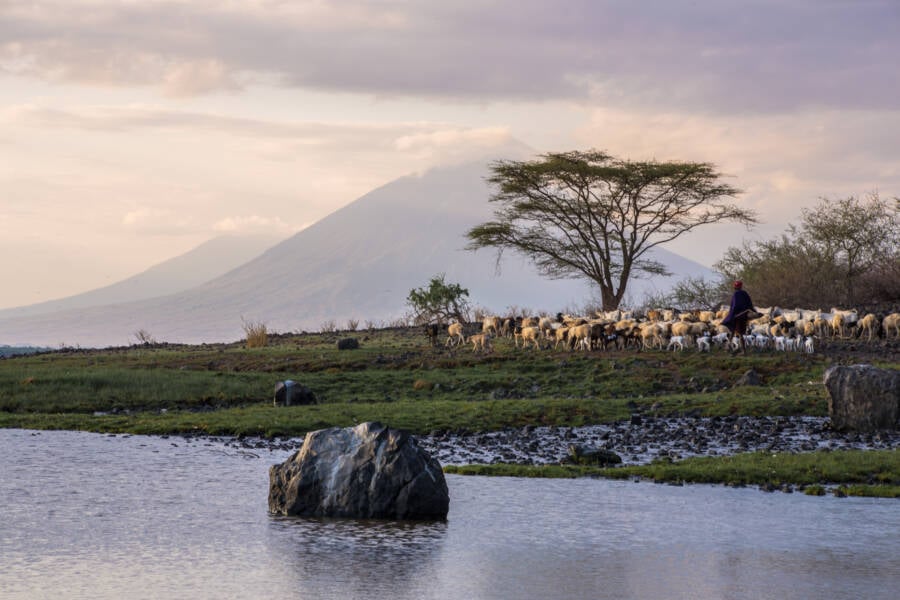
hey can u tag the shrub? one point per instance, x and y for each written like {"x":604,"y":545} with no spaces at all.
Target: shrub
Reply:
{"x":256,"y":332}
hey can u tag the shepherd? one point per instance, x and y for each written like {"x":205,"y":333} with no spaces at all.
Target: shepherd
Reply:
{"x":739,"y":314}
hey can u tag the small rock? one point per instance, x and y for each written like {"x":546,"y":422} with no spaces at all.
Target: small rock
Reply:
{"x":750,"y":377}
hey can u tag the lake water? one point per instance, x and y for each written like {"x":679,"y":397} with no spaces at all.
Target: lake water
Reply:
{"x":96,"y":516}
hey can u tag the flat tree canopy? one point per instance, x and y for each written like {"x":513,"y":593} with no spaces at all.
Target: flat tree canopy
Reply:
{"x":589,"y":214}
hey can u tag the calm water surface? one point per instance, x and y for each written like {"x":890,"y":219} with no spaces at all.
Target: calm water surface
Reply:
{"x":94,"y":516}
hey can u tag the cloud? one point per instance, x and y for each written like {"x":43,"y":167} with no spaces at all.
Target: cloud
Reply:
{"x":198,"y":77}
{"x":154,"y":221}
{"x":709,"y":55}
{"x":255,"y":224}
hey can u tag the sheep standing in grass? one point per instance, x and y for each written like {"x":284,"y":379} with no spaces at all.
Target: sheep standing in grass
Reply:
{"x":837,"y":326}
{"x":455,"y":335}
{"x":529,"y":335}
{"x":491,"y":325}
{"x":868,"y":325}
{"x":481,"y":342}
{"x":676,"y":342}
{"x":891,"y":323}
{"x":580,"y":336}
{"x":561,"y":335}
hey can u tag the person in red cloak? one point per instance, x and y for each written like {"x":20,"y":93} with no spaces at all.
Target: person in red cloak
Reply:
{"x":739,"y":313}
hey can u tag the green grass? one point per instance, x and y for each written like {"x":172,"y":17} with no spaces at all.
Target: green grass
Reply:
{"x":859,"y":473}
{"x":516,"y":386}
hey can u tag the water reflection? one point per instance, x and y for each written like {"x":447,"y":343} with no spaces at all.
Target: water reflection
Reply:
{"x":365,"y":557}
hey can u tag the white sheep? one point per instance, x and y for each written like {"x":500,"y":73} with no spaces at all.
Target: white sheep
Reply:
{"x":808,"y":345}
{"x":720,"y":339}
{"x":703,"y":343}
{"x":676,"y":342}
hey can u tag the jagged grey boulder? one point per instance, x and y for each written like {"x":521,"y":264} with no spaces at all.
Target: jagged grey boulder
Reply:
{"x":863,"y":397}
{"x":367,"y":471}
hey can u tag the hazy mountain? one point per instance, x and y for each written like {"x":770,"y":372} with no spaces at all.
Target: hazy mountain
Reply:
{"x":207,"y":261}
{"x":359,"y":262}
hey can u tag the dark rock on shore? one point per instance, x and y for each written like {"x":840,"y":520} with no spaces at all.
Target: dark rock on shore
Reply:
{"x":291,"y":393}
{"x":863,"y":397}
{"x":585,"y":455}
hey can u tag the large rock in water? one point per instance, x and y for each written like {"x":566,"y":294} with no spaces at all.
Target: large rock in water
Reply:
{"x":863,"y":397}
{"x":367,"y":471}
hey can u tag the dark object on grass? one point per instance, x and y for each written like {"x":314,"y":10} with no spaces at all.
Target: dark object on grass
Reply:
{"x":366,"y":472}
{"x":290,"y":393}
{"x":348,"y":344}
{"x":750,"y":377}
{"x":863,"y":397}
{"x":584,"y":455}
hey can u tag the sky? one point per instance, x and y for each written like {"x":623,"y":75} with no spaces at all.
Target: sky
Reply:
{"x":132,"y":131}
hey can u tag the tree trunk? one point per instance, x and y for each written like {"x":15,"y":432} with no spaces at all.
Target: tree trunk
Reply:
{"x":608,"y":298}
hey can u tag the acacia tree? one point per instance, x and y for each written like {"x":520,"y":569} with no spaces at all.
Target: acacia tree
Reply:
{"x":439,"y":301}
{"x":856,"y":235}
{"x":589,"y":214}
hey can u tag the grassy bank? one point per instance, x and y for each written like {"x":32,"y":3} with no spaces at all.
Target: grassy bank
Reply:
{"x":852,"y":472}
{"x":396,"y":377}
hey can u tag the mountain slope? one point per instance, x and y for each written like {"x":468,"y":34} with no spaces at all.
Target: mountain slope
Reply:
{"x":207,"y":261}
{"x":359,"y":262}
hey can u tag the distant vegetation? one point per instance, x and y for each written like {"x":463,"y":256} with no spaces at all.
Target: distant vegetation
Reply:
{"x":842,"y":253}
{"x":16,"y":350}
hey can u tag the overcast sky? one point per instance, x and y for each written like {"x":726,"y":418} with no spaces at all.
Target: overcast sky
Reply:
{"x":133,"y":130}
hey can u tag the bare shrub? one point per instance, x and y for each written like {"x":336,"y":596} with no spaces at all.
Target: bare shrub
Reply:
{"x":329,"y":326}
{"x":514,"y":310}
{"x":256,"y":332}
{"x":352,"y":324}
{"x":653,"y":300}
{"x":144,"y":337}
{"x":399,"y":322}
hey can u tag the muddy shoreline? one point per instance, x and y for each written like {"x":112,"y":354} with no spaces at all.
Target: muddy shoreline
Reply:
{"x":640,"y":440}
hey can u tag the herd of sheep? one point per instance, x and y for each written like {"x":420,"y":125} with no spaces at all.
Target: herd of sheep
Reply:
{"x":777,"y":329}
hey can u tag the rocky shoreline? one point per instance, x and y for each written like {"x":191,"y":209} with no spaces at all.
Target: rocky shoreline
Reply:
{"x":638,"y":441}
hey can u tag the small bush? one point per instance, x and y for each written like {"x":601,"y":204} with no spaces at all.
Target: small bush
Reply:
{"x":329,"y":326}
{"x":423,"y":384}
{"x":352,"y":324}
{"x":256,"y":332}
